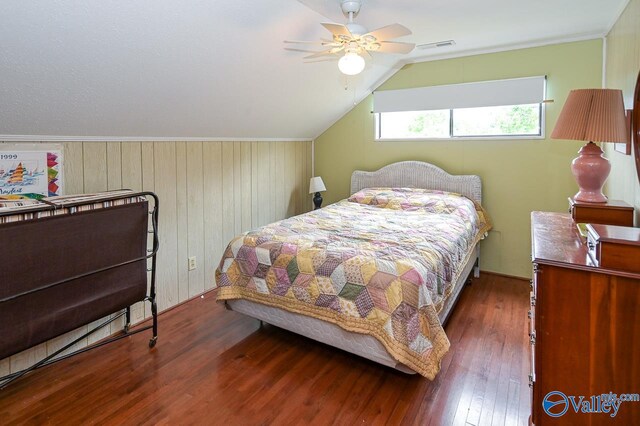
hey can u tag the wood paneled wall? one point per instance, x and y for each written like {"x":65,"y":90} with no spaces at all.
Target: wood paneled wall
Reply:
{"x":209,"y":192}
{"x":622,"y":67}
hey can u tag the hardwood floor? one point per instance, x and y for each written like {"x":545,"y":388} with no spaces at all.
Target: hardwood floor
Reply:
{"x":213,"y":366}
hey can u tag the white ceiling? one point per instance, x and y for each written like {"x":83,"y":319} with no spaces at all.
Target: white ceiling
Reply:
{"x":217,"y":69}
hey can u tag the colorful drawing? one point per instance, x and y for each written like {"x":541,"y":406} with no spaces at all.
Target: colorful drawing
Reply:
{"x":52,"y":174}
{"x":29,"y":174}
{"x":17,"y":175}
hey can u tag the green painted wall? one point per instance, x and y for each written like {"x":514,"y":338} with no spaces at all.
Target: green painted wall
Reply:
{"x":519,"y":176}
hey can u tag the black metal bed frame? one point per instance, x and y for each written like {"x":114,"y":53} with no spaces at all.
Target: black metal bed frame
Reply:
{"x":126,"y":331}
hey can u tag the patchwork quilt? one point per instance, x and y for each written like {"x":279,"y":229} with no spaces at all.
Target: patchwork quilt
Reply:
{"x":380,"y":263}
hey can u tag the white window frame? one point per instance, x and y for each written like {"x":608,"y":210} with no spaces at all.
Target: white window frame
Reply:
{"x":455,"y":89}
{"x":541,"y":136}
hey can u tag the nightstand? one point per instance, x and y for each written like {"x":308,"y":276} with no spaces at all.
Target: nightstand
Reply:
{"x":613,"y":212}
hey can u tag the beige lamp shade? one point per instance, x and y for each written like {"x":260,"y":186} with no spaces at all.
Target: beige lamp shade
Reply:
{"x":593,"y":115}
{"x":316,"y":185}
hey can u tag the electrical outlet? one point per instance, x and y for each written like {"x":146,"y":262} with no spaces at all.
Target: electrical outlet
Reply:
{"x":192,"y":263}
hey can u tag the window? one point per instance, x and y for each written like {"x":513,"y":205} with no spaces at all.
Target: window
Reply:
{"x":501,"y":121}
{"x":495,"y":109}
{"x":414,"y":124}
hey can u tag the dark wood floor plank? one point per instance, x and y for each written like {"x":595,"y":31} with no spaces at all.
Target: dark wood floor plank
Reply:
{"x":213,"y":366}
{"x":490,"y":341}
{"x":471,"y":358}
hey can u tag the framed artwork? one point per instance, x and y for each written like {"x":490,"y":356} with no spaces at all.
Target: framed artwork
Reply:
{"x":30,"y":174}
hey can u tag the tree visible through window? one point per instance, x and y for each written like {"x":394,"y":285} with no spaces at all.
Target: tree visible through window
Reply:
{"x":501,"y":121}
{"x":416,"y":124}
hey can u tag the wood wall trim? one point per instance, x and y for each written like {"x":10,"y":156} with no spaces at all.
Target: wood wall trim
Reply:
{"x":53,"y":138}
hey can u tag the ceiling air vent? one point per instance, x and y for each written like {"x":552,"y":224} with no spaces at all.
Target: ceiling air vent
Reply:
{"x":437,"y":44}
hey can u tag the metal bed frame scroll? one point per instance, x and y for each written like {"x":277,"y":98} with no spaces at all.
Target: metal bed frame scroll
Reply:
{"x":126,"y":312}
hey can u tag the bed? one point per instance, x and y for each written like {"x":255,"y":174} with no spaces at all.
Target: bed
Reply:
{"x":377,"y":274}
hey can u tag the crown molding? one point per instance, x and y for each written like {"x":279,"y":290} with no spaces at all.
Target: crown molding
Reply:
{"x":508,"y":47}
{"x":54,"y":138}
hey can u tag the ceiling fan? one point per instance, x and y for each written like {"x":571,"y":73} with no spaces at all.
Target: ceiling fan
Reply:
{"x":355,"y":41}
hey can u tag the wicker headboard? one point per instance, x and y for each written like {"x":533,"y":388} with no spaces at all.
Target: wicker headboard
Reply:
{"x":416,"y":174}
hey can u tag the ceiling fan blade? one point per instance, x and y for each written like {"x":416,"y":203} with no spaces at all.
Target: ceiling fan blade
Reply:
{"x":320,"y":54}
{"x":323,"y":43}
{"x":302,"y":42}
{"x":290,"y":49}
{"x":365,"y":54}
{"x":321,"y":60}
{"x":395,"y":47}
{"x":338,"y":29}
{"x":389,"y":32}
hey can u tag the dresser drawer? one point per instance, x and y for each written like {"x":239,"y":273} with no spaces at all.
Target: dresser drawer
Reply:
{"x":533,"y":286}
{"x":614,"y":247}
{"x":532,"y":352}
{"x":532,"y":321}
{"x":593,"y":249}
{"x":611,"y":213}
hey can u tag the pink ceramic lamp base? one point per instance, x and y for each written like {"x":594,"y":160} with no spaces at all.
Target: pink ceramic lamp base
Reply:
{"x":591,"y":170}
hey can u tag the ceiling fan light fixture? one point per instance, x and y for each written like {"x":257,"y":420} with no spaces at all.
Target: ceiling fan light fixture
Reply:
{"x":351,"y":63}
{"x":352,"y":43}
{"x":374,"y":46}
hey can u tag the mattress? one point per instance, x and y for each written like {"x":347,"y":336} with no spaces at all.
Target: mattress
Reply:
{"x":382,"y":263}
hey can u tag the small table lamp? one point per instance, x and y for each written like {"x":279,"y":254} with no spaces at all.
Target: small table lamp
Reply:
{"x":592,"y":115}
{"x":316,"y":185}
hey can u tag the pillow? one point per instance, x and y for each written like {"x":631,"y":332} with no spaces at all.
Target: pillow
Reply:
{"x":410,"y":199}
{"x":421,"y":200}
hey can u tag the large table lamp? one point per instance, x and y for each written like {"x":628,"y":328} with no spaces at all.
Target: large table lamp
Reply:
{"x":316,"y":185}
{"x":592,"y":115}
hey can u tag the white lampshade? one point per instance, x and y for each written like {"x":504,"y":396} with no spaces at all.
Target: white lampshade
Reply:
{"x":316,"y":185}
{"x":351,"y":63}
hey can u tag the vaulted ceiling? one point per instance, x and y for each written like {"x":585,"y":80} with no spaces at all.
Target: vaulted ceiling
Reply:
{"x":216,"y":68}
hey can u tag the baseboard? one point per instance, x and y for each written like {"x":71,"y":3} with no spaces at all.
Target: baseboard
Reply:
{"x":170,"y":308}
{"x":499,"y":274}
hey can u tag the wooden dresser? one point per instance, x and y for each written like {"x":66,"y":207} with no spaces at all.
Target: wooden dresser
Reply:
{"x":584,"y":329}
